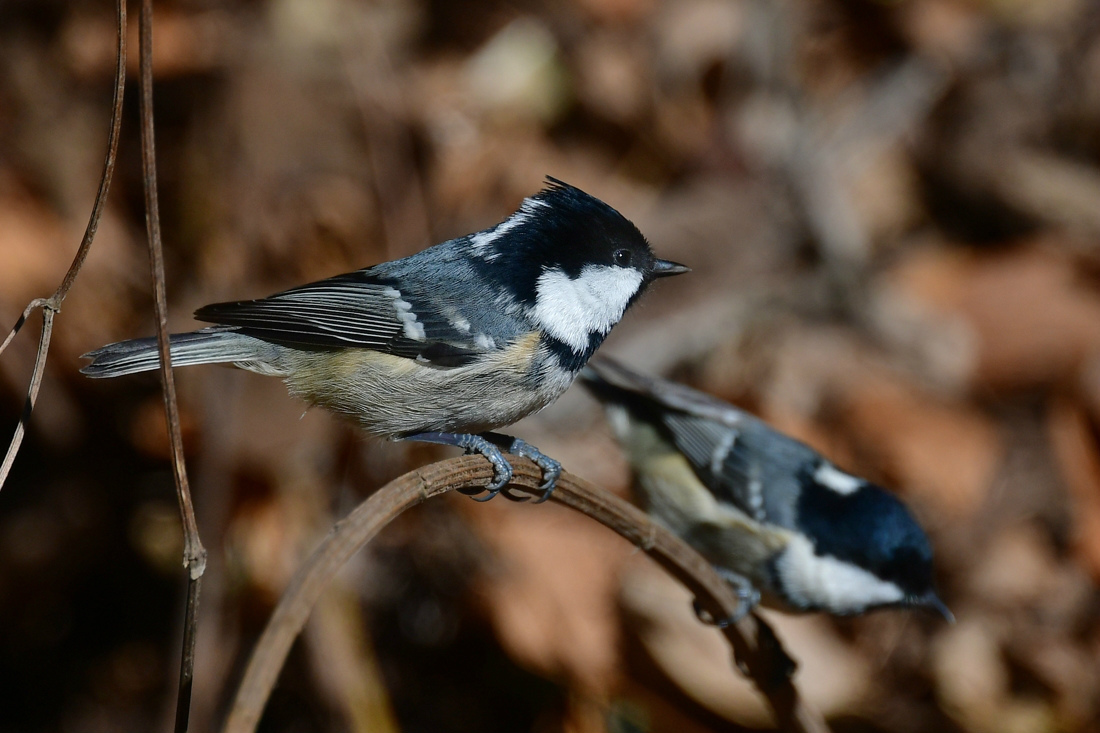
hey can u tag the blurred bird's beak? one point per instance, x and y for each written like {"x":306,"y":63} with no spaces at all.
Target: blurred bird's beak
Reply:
{"x":932,"y":603}
{"x":664,"y":268}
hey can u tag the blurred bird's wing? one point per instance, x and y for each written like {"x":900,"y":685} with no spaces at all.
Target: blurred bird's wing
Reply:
{"x":754,"y":467}
{"x":734,"y":454}
{"x":356,"y":310}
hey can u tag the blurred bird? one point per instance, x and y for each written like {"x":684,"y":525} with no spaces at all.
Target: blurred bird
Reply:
{"x":779,"y":521}
{"x":445,"y":345}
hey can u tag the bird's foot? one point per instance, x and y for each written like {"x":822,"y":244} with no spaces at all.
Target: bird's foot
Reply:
{"x":489,"y":445}
{"x":502,"y":470}
{"x":551,"y":469}
{"x":748,"y":597}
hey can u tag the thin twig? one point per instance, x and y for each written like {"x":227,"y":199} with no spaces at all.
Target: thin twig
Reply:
{"x":31,"y":308}
{"x":32,"y":391}
{"x":194,"y":555}
{"x":187,"y":654}
{"x":52,"y":305}
{"x":756,"y":648}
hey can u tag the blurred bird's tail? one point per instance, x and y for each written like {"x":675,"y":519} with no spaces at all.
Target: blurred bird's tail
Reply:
{"x":207,"y":346}
{"x":612,"y":383}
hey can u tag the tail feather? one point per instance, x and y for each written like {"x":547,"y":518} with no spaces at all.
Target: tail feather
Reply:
{"x":207,"y":346}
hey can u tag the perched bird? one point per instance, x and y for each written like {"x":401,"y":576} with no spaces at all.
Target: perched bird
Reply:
{"x":779,"y":521}
{"x":445,"y":345}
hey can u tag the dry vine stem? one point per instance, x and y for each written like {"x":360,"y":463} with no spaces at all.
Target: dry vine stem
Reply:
{"x":756,"y":648}
{"x":51,"y":306}
{"x":194,"y":555}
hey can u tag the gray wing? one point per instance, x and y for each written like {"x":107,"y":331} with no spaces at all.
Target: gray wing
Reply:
{"x":752,"y":466}
{"x":359,"y":309}
{"x":734,"y":454}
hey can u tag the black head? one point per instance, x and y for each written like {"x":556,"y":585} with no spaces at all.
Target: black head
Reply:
{"x":573,"y":263}
{"x":866,"y":526}
{"x":566,"y":230}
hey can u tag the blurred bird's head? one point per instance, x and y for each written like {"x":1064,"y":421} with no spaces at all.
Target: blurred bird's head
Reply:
{"x":859,"y":549}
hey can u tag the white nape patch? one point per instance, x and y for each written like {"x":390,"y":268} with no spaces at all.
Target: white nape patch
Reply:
{"x":482,"y":240}
{"x":831,"y":477}
{"x":485,"y":341}
{"x":410,"y":326}
{"x":813,"y":581}
{"x":571,"y":310}
{"x":722,"y":451}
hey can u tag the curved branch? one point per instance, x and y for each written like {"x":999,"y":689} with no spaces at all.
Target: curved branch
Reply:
{"x":757,"y":650}
{"x":52,"y":305}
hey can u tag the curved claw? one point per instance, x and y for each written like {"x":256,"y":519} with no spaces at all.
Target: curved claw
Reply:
{"x":551,"y":469}
{"x":502,"y":472}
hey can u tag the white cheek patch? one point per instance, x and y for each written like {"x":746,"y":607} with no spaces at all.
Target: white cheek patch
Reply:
{"x":571,"y":310}
{"x":813,"y":581}
{"x":831,"y":477}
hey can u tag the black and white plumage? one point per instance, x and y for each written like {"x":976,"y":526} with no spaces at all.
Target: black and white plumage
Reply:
{"x":767,"y":509}
{"x":452,"y":342}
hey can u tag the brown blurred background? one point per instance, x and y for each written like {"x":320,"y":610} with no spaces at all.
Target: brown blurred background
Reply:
{"x":893,"y":212}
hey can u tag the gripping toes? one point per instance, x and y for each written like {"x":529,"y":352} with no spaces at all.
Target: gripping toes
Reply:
{"x":488,"y":445}
{"x":551,"y":469}
{"x":502,"y":470}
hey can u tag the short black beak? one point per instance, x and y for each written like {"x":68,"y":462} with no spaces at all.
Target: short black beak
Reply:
{"x":665,"y":268}
{"x":932,"y":603}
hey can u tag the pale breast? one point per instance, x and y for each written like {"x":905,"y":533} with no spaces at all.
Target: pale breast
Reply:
{"x":392,"y":396}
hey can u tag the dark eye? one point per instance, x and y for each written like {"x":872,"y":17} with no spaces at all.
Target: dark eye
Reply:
{"x":622,"y":257}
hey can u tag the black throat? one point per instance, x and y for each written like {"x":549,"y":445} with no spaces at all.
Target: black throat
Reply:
{"x":564,"y":354}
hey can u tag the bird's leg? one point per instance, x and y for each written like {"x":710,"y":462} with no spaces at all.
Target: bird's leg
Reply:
{"x":502,"y":470}
{"x":551,"y":469}
{"x":747,"y":599}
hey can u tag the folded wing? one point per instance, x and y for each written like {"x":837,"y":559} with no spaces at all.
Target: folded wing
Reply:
{"x":355,"y":310}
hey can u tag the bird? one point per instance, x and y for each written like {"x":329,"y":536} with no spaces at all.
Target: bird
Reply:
{"x":444,"y":346}
{"x":785,"y":526}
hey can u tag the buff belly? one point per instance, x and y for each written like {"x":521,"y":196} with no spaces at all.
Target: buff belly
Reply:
{"x":392,"y":396}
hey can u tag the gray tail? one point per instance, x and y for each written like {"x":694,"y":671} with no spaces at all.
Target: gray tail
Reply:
{"x":208,"y":346}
